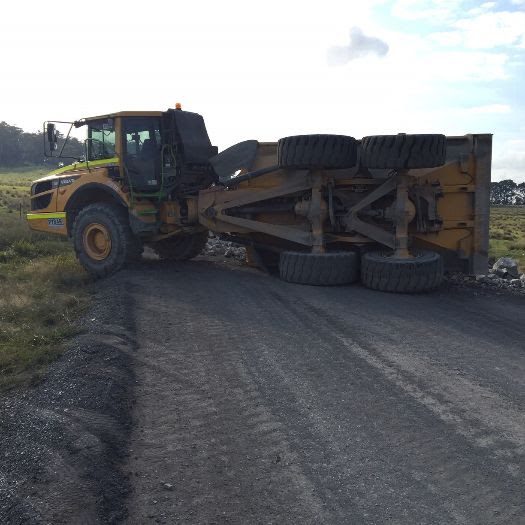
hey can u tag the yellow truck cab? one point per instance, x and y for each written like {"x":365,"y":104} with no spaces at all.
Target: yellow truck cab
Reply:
{"x":129,"y":170}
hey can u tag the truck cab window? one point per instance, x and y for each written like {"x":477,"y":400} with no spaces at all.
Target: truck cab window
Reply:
{"x":142,"y":145}
{"x":102,"y":141}
{"x":142,"y":137}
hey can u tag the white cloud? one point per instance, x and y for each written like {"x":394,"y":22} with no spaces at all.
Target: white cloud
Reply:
{"x":486,"y":6}
{"x":490,"y":108}
{"x":484,"y":31}
{"x":360,"y":46}
{"x":508,"y":161}
{"x":447,"y":38}
{"x":458,"y":66}
{"x":489,"y":30}
{"x":432,"y":10}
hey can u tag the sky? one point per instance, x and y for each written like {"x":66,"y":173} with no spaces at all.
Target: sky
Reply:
{"x":264,"y":70}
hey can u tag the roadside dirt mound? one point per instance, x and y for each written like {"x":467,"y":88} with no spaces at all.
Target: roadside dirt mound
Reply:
{"x":63,"y":441}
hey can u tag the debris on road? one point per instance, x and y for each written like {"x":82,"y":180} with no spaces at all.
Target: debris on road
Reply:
{"x":217,"y":247}
{"x":506,"y":267}
{"x":503,"y":274}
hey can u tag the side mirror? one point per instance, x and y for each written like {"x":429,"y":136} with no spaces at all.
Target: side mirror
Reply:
{"x":52,"y":136}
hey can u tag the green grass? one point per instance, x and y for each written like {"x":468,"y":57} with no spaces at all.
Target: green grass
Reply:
{"x":42,"y":287}
{"x":507,"y":233}
{"x":14,"y":188}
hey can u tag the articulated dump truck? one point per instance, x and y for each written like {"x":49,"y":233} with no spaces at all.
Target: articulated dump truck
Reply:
{"x":394,"y":211}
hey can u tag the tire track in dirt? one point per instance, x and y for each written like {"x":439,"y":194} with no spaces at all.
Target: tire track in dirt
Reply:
{"x":213,"y":410}
{"x":260,"y":401}
{"x":486,"y":419}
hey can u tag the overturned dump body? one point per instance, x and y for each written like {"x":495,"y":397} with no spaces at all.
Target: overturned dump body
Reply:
{"x":448,"y":206}
{"x":393,"y":210}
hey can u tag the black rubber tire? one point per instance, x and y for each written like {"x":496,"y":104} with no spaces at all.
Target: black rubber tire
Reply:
{"x":423,"y":273}
{"x":181,"y":248}
{"x":403,"y":151}
{"x":124,"y":245}
{"x":317,"y":151}
{"x":319,"y":269}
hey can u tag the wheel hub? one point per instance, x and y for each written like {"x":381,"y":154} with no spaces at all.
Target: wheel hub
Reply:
{"x":97,"y":241}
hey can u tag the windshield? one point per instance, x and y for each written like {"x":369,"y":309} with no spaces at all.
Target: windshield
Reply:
{"x":101,"y":143}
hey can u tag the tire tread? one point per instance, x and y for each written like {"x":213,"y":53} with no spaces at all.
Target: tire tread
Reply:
{"x":403,"y":151}
{"x":317,"y":151}
{"x":125,"y":246}
{"x":422,"y":274}
{"x":327,"y":269}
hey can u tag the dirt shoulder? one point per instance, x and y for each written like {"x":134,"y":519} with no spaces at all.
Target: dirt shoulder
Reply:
{"x":62,"y":442}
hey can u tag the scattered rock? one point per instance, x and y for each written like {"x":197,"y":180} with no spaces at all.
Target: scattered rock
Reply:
{"x":167,"y":486}
{"x":503,"y":273}
{"x":506,"y":267}
{"x":483,"y":278}
{"x":218,"y":248}
{"x":490,"y":280}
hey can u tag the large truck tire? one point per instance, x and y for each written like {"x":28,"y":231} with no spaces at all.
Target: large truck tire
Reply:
{"x":319,"y":269}
{"x":103,"y":239}
{"x":181,"y":247}
{"x":422,"y":273}
{"x":403,"y":151}
{"x":317,"y":151}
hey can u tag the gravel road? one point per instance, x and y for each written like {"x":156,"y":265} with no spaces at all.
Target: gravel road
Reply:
{"x":258,"y":401}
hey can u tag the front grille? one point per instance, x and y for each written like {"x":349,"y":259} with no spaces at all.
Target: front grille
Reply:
{"x":39,"y":203}
{"x":40,"y":187}
{"x":43,"y":201}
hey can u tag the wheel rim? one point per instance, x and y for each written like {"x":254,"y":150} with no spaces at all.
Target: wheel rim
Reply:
{"x":97,"y":241}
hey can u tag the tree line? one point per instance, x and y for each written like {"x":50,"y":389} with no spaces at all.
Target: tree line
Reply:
{"x":507,"y":193}
{"x":20,"y":148}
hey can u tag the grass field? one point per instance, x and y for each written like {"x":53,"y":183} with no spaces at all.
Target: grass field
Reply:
{"x":42,"y":287}
{"x":507,"y":233}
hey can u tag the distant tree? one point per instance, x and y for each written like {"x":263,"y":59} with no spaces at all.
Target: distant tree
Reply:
{"x":520,"y":194}
{"x":18,"y":148}
{"x":504,"y":192}
{"x":73,"y":148}
{"x":10,"y":145}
